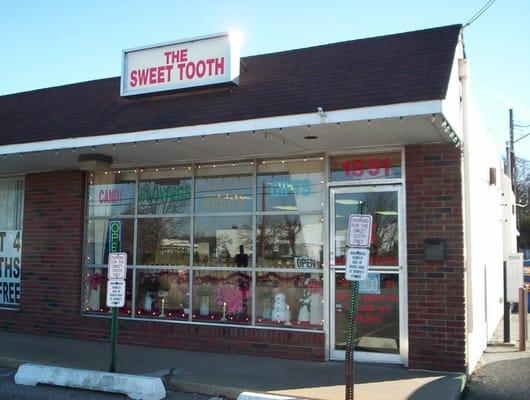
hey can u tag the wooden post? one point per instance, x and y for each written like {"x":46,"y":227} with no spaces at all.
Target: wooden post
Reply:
{"x":522,"y":318}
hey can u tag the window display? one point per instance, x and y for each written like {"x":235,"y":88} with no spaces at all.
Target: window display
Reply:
{"x":290,"y":299}
{"x":95,"y":292}
{"x":222,"y":296}
{"x":162,"y":294}
{"x":196,"y":235}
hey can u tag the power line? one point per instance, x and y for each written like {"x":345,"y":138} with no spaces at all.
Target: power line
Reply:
{"x":479,"y":13}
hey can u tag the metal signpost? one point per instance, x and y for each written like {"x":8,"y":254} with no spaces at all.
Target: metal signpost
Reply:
{"x":357,"y":257}
{"x":115,"y":285}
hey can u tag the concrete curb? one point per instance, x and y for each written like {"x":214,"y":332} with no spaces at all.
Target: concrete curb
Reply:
{"x":136,"y":387}
{"x":262,"y":396}
{"x":176,"y":384}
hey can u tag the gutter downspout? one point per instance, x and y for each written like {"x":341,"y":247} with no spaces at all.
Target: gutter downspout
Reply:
{"x":463,"y":73}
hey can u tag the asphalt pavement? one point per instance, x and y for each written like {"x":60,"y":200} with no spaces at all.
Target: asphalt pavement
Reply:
{"x":503,"y":372}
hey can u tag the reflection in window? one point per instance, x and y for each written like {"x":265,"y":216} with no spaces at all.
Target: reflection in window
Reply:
{"x":223,"y":241}
{"x":377,"y":315}
{"x":382,"y":206}
{"x":290,"y":300}
{"x":289,"y":241}
{"x":162,"y":294}
{"x":111,"y":193}
{"x":290,"y":185}
{"x":165,"y":192}
{"x":95,"y":292}
{"x":223,"y":188}
{"x":163,"y":241}
{"x":97,"y":242}
{"x":222,"y":296}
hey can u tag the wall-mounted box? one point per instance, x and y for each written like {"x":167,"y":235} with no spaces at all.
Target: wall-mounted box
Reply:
{"x":434,"y":249}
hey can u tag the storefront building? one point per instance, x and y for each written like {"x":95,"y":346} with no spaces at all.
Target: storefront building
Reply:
{"x":232,"y":201}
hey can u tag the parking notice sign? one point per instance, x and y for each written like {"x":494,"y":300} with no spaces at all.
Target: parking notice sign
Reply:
{"x":117,"y":265}
{"x":357,"y":264}
{"x":115,"y":293}
{"x":359,"y":230}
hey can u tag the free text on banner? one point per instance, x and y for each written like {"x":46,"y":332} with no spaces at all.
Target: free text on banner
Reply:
{"x":10,"y":267}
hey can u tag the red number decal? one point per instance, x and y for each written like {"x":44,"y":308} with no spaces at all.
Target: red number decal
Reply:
{"x":374,"y":167}
{"x":346,"y":166}
{"x":386,"y":166}
{"x":358,"y":168}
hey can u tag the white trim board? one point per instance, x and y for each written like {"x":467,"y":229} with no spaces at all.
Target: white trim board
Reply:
{"x":412,"y":109}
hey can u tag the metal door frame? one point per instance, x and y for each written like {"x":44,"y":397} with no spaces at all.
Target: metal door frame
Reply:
{"x":401,"y":270}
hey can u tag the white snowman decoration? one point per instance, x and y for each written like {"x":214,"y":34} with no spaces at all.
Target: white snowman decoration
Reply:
{"x":280,"y":309}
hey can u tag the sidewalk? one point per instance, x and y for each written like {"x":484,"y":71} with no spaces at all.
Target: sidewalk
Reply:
{"x":503,"y":371}
{"x":229,"y":374}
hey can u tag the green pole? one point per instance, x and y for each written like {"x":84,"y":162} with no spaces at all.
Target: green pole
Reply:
{"x":352,"y":328}
{"x":113,"y":338}
{"x":114,"y":244}
{"x":350,"y":343}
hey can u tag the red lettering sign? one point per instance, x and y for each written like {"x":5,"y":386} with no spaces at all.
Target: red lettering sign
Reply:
{"x":374,"y":167}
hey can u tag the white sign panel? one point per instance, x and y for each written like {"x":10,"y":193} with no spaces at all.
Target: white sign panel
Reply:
{"x":209,"y":60}
{"x":357,"y":264}
{"x":305,"y":262}
{"x":115,"y":293}
{"x":359,"y":230}
{"x":10,"y":265}
{"x":514,"y":277}
{"x":117,"y":265}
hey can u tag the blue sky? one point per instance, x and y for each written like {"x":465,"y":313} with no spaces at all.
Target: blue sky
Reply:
{"x":49,"y":43}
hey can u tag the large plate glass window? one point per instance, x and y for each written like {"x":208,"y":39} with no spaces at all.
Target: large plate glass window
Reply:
{"x":223,"y":188}
{"x":11,"y":206}
{"x":202,"y":239}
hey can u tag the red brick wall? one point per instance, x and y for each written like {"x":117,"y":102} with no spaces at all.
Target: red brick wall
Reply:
{"x":51,"y":286}
{"x":436,"y":294}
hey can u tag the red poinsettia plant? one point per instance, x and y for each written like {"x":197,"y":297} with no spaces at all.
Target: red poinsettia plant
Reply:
{"x":94,"y":280}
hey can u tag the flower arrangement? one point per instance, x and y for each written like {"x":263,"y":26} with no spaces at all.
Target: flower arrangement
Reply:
{"x":230,"y":295}
{"x":314,"y":286}
{"x":94,"y":280}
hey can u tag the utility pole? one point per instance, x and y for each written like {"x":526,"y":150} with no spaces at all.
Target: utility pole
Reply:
{"x":512,"y":157}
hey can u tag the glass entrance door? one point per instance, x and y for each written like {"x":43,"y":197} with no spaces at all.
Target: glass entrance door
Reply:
{"x":380,"y":328}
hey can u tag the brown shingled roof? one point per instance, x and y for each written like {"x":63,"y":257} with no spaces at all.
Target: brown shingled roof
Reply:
{"x":405,"y":67}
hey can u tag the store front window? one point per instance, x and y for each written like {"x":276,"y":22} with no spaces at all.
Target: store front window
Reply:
{"x":213,"y":243}
{"x":11,"y":205}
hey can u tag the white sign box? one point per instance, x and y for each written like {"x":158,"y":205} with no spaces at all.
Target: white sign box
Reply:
{"x":514,"y":277}
{"x":207,"y":60}
{"x":359,"y":230}
{"x":115,"y":293}
{"x":357,"y":264}
{"x":117,"y":265}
